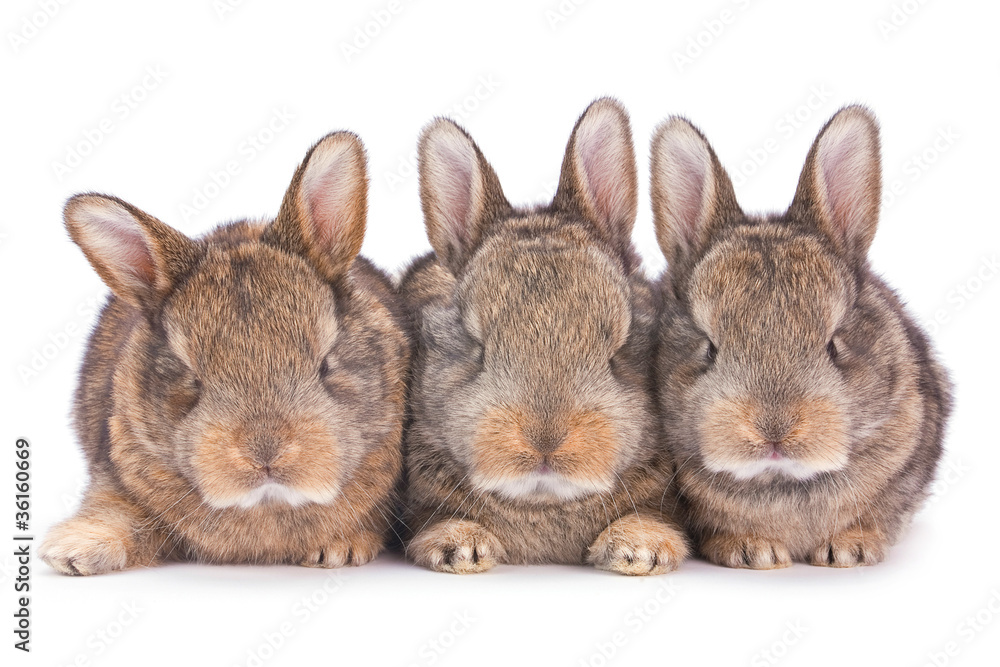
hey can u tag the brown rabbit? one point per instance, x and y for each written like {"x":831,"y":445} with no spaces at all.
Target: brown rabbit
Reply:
{"x":242,"y":398}
{"x":533,"y":438}
{"x":803,"y":405}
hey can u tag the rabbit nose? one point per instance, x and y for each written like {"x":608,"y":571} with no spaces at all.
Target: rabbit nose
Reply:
{"x":263,"y":451}
{"x":774,"y":430}
{"x":547,"y":441}
{"x":775,"y":450}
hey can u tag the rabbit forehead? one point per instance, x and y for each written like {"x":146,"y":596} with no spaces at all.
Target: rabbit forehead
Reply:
{"x":254,"y":303}
{"x":550,"y":286}
{"x":766,"y":278}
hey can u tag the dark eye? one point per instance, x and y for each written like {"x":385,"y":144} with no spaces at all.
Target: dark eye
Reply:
{"x":832,"y":351}
{"x":183,"y":395}
{"x":710,"y":353}
{"x":324,"y":369}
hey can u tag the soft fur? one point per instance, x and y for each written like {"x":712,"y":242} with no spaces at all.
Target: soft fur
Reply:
{"x":242,"y":398}
{"x":803,"y":406}
{"x":533,"y":438}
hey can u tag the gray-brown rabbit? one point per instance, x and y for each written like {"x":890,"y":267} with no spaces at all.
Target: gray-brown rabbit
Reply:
{"x":803,"y":406}
{"x":533,"y":438}
{"x":242,"y":397}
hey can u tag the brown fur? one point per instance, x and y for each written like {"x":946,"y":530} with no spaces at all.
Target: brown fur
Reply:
{"x":532,"y":437}
{"x":260,"y":353}
{"x":803,"y":405}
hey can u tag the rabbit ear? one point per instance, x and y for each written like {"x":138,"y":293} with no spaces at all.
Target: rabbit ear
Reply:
{"x":139,"y":257}
{"x":459,"y":192}
{"x":323,"y":214}
{"x":691,"y":192}
{"x":598,"y":178}
{"x":841,"y":184}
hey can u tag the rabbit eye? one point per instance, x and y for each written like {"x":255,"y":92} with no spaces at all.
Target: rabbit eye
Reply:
{"x":710,"y":352}
{"x":832,"y":351}
{"x":324,"y":369}
{"x":183,"y":395}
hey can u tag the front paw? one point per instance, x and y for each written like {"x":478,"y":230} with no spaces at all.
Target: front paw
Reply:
{"x":79,"y":546}
{"x":746,"y":551}
{"x":356,"y":549}
{"x":457,"y":546}
{"x":638,"y":546}
{"x":851,"y":548}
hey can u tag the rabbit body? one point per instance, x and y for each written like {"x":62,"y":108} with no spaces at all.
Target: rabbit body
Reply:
{"x":532,"y":435}
{"x":804,"y":407}
{"x":242,"y":397}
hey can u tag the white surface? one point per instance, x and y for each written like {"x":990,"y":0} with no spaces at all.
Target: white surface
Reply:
{"x":279,"y":68}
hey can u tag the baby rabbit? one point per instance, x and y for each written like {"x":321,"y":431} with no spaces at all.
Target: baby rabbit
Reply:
{"x":804,"y":407}
{"x":533,"y":438}
{"x":242,"y":397}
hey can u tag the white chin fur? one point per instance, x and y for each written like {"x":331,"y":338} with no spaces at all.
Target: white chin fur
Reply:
{"x":540,"y":487}
{"x":788,"y":467}
{"x":272,"y":492}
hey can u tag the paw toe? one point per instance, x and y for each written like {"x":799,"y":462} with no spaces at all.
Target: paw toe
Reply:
{"x":352,"y":551}
{"x":747,"y":552}
{"x":638,"y":547}
{"x":81,"y":553}
{"x":459,"y":547}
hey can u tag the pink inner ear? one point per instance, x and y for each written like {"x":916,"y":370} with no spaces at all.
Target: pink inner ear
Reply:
{"x":690,"y":193}
{"x":604,"y":157}
{"x":452,"y":178}
{"x":846,"y":172}
{"x":330,"y":189}
{"x":112,"y":238}
{"x":456,"y":195}
{"x":683,"y":177}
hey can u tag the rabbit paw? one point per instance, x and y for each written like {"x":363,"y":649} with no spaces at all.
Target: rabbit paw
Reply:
{"x":851,"y":547}
{"x":638,"y":546}
{"x":746,"y":551}
{"x":84,"y":547}
{"x":457,"y":546}
{"x":356,"y":549}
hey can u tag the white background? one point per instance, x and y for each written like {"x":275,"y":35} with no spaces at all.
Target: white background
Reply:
{"x":222,"y":78}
